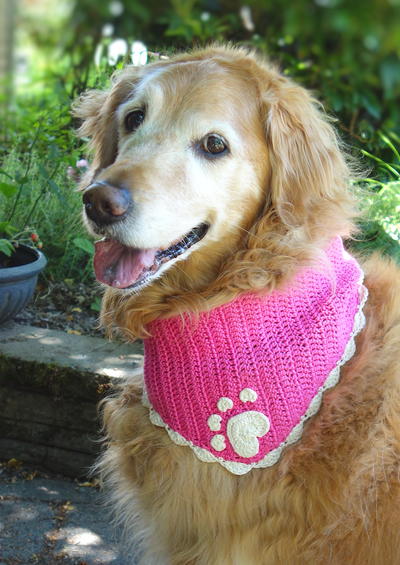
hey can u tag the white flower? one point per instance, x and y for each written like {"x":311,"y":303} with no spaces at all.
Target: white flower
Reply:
{"x":117,"y":48}
{"x":138,"y":53}
{"x":205,"y":16}
{"x":247,"y":19}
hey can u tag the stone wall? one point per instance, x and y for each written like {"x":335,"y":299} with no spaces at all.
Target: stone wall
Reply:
{"x":49,"y":395}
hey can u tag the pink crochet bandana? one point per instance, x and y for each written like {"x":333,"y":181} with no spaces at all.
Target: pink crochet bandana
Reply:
{"x":237,"y":384}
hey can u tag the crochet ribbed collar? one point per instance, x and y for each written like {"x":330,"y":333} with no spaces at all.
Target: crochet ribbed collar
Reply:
{"x":236,"y":384}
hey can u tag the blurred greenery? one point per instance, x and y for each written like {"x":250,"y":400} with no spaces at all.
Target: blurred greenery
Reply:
{"x":380,"y":222}
{"x":346,"y":52}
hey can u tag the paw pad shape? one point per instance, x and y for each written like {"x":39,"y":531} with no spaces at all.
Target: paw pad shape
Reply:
{"x":242,"y":430}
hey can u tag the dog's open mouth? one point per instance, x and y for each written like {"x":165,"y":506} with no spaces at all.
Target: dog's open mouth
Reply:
{"x":125,"y":267}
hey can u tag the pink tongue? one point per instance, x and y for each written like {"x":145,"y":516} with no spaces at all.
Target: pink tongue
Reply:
{"x":120,"y":266}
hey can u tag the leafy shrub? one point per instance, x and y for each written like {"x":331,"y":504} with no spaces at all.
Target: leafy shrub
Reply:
{"x":47,"y":200}
{"x":348,"y":52}
{"x":381,"y":204}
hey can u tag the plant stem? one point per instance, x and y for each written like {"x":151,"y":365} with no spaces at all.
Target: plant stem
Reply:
{"x":382,"y":163}
{"x":42,"y":192}
{"x":28,"y":166}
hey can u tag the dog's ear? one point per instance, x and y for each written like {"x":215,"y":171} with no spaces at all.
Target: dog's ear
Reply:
{"x":307,"y":164}
{"x":97,"y":110}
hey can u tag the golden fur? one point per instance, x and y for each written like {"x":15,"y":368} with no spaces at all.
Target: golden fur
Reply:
{"x":334,"y":496}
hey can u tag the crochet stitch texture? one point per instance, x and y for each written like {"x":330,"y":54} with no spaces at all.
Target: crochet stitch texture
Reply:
{"x":236,"y":384}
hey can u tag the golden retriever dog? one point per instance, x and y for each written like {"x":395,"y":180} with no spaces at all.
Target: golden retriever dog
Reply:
{"x":217,"y":183}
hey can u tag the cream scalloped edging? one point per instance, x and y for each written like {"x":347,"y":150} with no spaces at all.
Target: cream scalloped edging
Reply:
{"x":273,"y":456}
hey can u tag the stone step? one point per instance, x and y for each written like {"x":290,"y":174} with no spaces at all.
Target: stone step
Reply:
{"x":50,"y":385}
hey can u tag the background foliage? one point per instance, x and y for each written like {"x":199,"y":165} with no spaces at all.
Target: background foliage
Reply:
{"x":347,"y":52}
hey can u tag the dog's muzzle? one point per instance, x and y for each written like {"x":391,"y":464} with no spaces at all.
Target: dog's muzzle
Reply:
{"x":106,"y":204}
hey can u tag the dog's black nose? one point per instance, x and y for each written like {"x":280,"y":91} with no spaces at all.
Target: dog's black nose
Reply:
{"x":106,"y":204}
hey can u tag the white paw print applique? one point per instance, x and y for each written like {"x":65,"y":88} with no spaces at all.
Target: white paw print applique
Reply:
{"x":243,"y":430}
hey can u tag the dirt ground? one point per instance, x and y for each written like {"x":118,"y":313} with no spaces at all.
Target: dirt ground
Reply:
{"x":66,"y":305}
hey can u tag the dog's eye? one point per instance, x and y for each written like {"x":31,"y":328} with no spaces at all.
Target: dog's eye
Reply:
{"x":133,"y":120}
{"x":214,"y":144}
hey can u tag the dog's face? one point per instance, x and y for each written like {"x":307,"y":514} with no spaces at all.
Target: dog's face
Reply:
{"x":185,"y":172}
{"x":188,"y":154}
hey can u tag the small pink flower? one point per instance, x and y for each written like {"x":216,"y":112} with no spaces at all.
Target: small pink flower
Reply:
{"x":82,"y":164}
{"x":71,"y":173}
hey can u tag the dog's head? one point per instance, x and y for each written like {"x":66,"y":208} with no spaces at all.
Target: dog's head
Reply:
{"x":202,"y":156}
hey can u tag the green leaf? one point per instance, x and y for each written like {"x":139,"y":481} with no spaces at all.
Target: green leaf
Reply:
{"x":381,"y":162}
{"x":19,"y":178}
{"x":84,"y":244}
{"x":43,"y":171}
{"x":7,"y":190}
{"x":6,"y":247}
{"x":3,"y":172}
{"x":390,"y":73}
{"x":336,"y":100}
{"x":55,"y":187}
{"x":390,"y":144}
{"x":96,"y":304}
{"x":372,"y":104}
{"x":53,"y":153}
{"x":7,"y":228}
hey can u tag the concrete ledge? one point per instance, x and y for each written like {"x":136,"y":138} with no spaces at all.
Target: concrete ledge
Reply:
{"x":50,"y":385}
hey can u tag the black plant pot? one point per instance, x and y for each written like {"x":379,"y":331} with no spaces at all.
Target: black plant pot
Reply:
{"x":18,"y":277}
